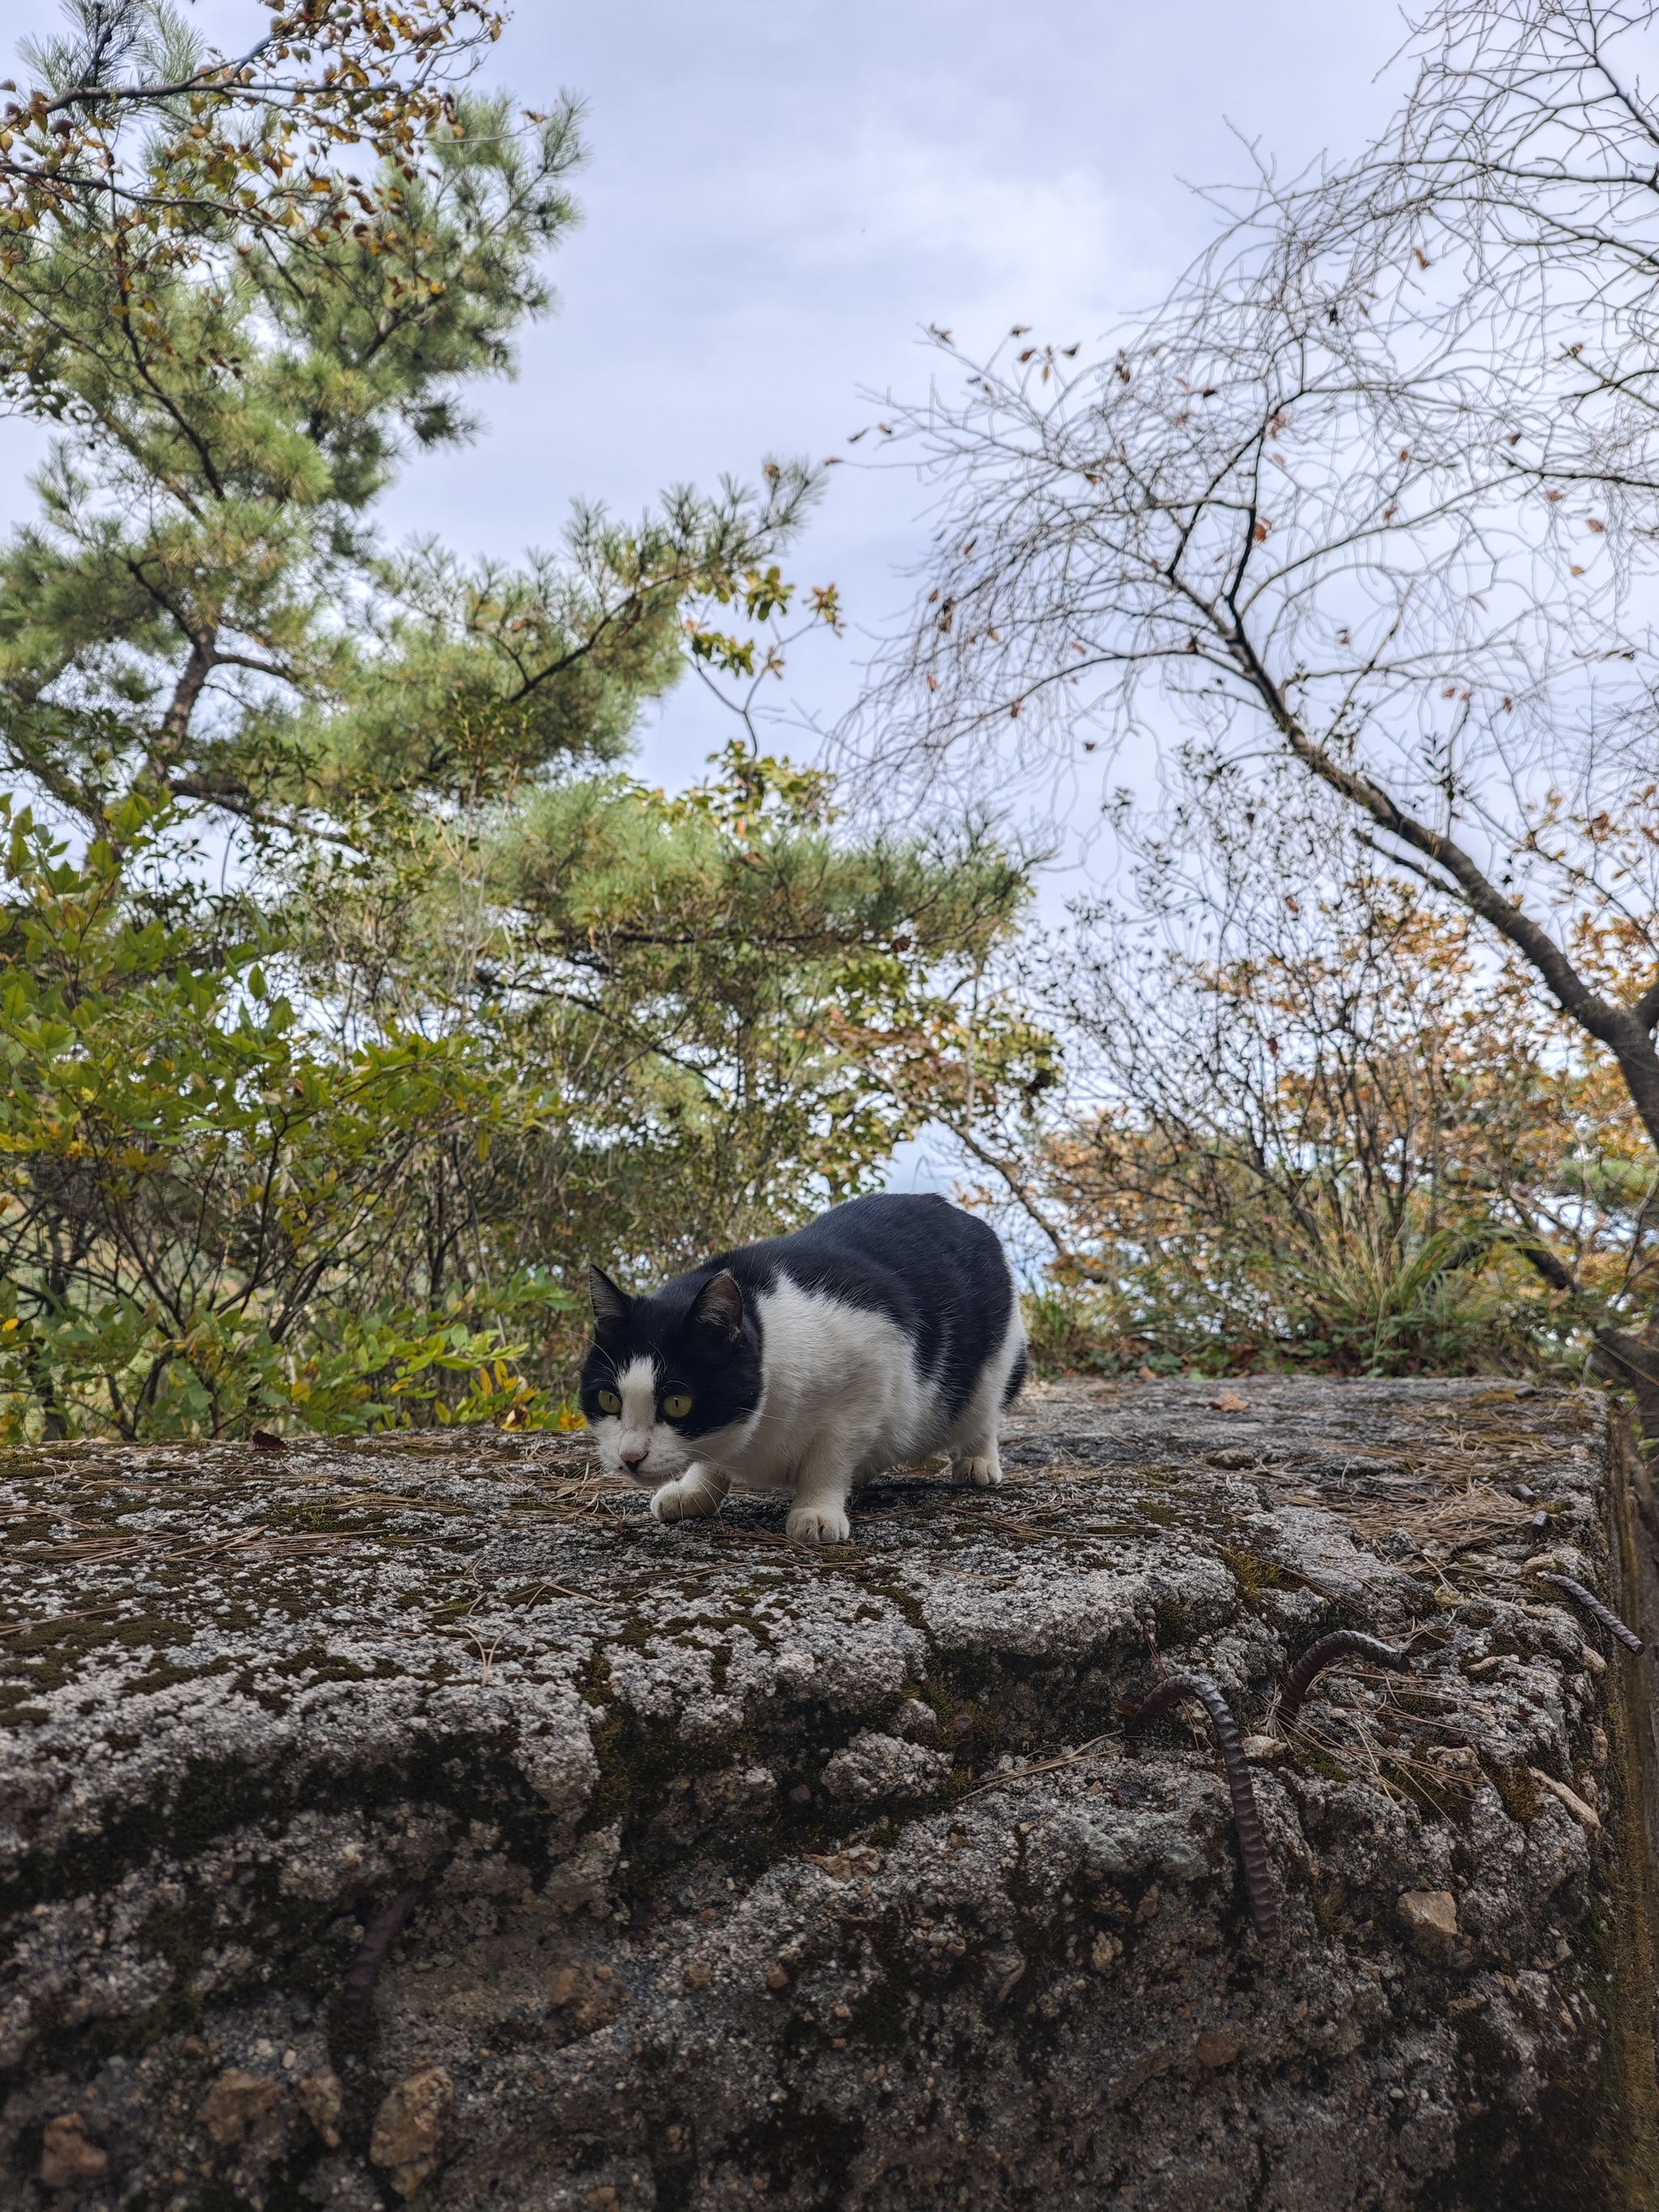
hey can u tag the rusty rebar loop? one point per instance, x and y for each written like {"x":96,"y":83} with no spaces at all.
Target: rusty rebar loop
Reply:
{"x":381,"y":1933}
{"x":1341,"y":1643}
{"x":1252,"y":1846}
{"x":1588,"y":1602}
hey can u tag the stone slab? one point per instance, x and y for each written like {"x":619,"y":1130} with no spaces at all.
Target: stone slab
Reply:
{"x":723,"y":1878}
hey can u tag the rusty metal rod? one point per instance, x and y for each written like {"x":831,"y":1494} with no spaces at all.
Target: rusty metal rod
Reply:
{"x":1342,"y":1643}
{"x":1252,"y":1846}
{"x":381,"y":1933}
{"x":1590,"y":1603}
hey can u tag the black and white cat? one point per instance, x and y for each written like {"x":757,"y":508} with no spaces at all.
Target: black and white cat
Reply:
{"x":886,"y":1330}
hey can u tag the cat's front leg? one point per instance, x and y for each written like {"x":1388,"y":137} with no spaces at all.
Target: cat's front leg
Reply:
{"x":818,"y":1515}
{"x":978,"y":1463}
{"x":699,"y":1492}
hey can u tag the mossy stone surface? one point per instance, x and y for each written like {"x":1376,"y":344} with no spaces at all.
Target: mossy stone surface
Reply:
{"x":666,"y":1945}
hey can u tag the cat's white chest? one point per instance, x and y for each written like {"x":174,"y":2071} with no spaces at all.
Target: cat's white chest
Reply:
{"x":832,"y":1374}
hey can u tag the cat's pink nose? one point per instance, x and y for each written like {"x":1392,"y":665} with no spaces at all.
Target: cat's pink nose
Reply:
{"x":637,"y":1457}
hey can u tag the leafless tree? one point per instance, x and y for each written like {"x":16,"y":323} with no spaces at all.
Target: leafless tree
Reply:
{"x":1374,"y":493}
{"x":1329,"y":1122}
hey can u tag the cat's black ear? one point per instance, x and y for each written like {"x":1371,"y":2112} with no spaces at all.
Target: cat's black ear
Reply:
{"x":610,"y":1307}
{"x":718,"y":1308}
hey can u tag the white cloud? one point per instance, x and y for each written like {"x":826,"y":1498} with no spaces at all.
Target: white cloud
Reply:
{"x":780,"y":199}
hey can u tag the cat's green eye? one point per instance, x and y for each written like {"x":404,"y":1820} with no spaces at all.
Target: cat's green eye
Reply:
{"x":678,"y":1406}
{"x":609,"y":1403}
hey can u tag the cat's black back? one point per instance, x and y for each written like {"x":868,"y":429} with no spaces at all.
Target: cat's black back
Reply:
{"x":940,"y":1274}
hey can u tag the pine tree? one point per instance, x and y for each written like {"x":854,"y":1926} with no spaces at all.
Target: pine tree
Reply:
{"x":201,"y":612}
{"x":332,"y":1144}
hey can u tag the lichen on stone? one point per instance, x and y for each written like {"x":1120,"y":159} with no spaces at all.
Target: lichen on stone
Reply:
{"x":829,"y":1877}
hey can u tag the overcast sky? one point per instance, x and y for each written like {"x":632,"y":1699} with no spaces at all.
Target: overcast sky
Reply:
{"x":782,"y":194}
{"x":782,"y":197}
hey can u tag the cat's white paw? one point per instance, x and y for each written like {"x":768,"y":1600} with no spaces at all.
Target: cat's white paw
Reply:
{"x":985,"y":1472}
{"x":818,"y":1524}
{"x":685,"y":1500}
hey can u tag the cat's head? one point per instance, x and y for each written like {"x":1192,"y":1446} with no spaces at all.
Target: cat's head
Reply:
{"x":669,"y":1378}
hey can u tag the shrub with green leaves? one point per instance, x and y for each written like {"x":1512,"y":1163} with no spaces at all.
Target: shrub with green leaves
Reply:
{"x":329,"y":1146}
{"x":223,"y":1204}
{"x":188,"y":1185}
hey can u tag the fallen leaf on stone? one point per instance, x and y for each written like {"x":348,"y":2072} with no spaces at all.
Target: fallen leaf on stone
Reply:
{"x":582,"y":1999}
{"x":861,"y":1859}
{"x":1574,"y":1803}
{"x":1265,"y":1749}
{"x":320,"y":2101}
{"x":236,"y":2103}
{"x":67,"y":2158}
{"x":410,"y":2124}
{"x":1430,"y":1920}
{"x":586,"y":1996}
{"x":1230,"y":1401}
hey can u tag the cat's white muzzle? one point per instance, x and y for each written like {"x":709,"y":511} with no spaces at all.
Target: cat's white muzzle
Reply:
{"x":647,"y":1457}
